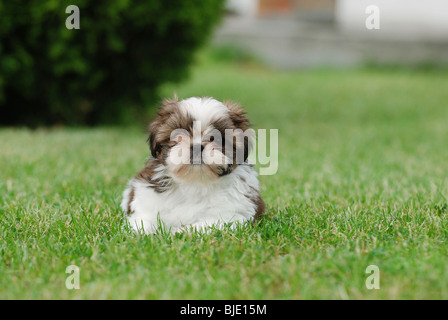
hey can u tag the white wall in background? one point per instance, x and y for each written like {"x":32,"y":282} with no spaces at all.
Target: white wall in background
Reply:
{"x":247,"y":8}
{"x":404,"y":19}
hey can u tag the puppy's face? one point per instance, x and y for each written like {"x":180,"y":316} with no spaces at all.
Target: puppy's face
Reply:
{"x":200,"y":139}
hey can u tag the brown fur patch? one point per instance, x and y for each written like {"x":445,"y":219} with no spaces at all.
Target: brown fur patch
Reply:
{"x":168,"y":119}
{"x":159,"y":185}
{"x":240,"y":121}
{"x":259,"y":203}
{"x":237,"y":115}
{"x":131,"y":198}
{"x":261,"y":207}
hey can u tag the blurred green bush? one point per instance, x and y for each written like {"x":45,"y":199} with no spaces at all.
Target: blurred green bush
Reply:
{"x":108,"y":71}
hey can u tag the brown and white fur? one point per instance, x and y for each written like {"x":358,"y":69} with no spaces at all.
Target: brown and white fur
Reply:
{"x":184,"y":195}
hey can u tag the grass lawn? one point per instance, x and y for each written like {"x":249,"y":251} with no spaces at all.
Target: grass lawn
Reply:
{"x":362,"y":180}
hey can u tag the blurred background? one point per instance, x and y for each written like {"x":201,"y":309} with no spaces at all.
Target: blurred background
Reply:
{"x":111,"y":70}
{"x":316,"y":33}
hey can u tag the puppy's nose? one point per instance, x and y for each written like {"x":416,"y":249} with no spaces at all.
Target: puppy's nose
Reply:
{"x":196,"y":153}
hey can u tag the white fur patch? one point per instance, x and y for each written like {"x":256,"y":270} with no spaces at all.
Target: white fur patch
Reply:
{"x":205,"y":110}
{"x":198,"y":205}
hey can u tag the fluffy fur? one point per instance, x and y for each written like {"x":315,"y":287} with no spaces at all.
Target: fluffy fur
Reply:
{"x":197,"y":175}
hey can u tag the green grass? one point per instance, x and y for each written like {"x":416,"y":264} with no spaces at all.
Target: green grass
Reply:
{"x":362,"y":180}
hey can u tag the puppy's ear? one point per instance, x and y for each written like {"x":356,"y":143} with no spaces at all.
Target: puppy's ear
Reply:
{"x":165,"y":110}
{"x":154,"y":146}
{"x":237,"y":115}
{"x":240,"y":121}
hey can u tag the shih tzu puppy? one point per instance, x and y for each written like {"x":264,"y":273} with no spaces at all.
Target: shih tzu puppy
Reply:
{"x":197,"y":175}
